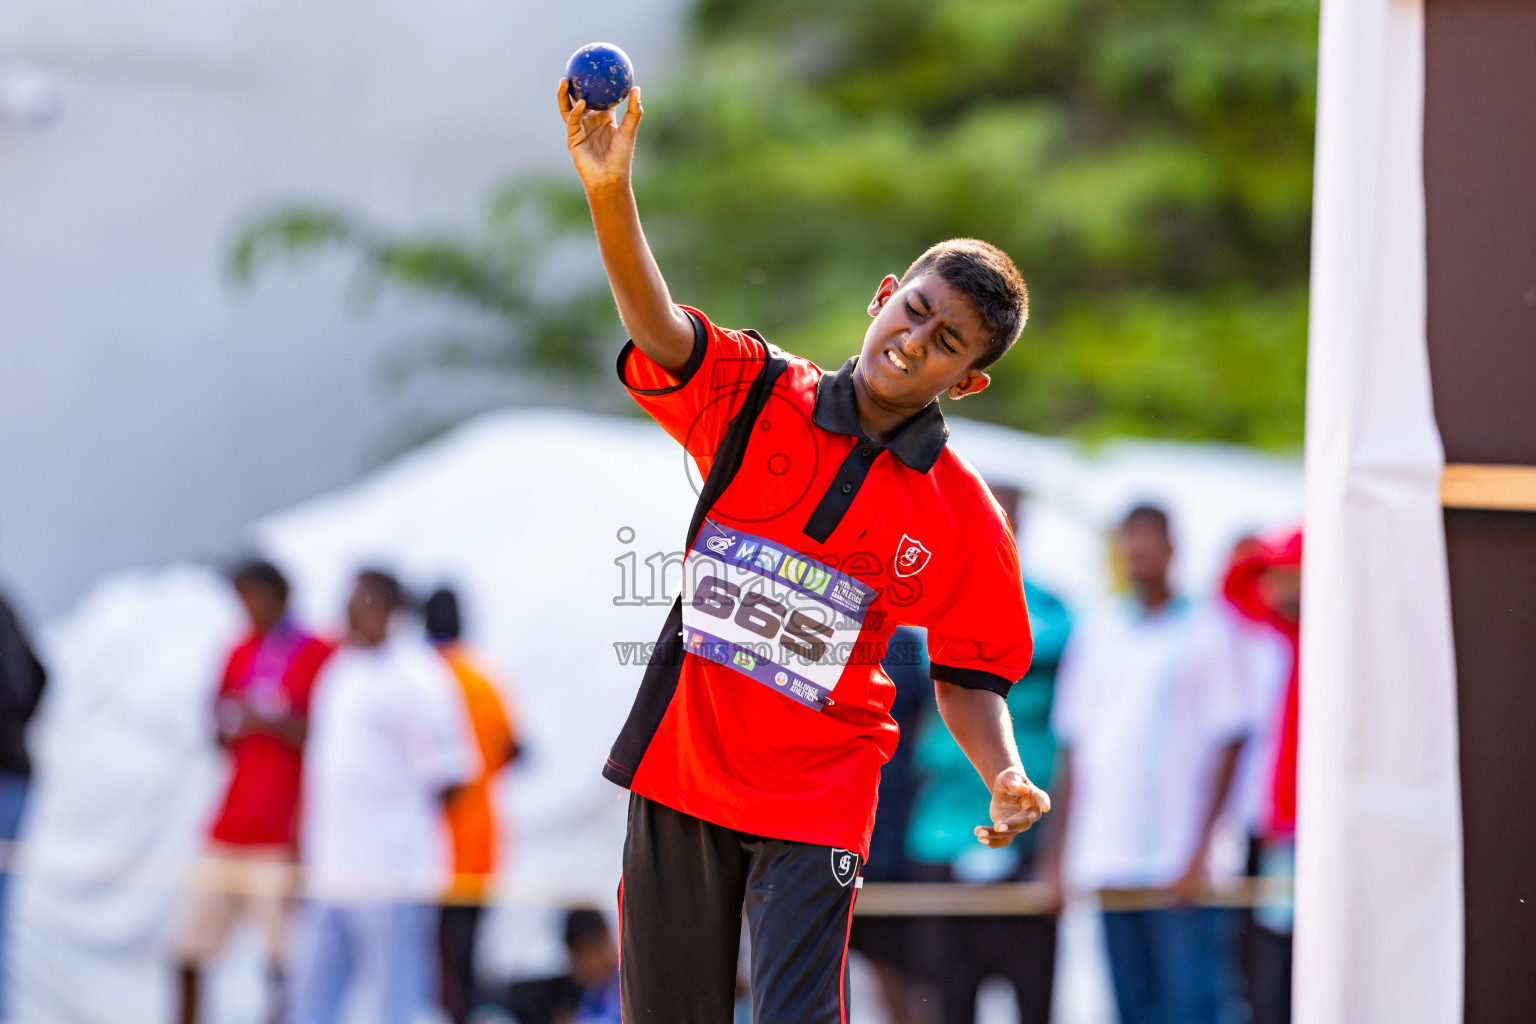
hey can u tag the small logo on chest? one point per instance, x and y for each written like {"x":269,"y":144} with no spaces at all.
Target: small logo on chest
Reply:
{"x":911,"y":557}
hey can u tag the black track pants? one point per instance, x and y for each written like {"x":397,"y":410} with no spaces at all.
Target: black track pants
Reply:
{"x":686,"y":883}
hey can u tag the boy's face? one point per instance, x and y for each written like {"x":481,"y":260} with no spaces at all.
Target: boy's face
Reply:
{"x":1280,"y":587}
{"x":368,"y":613}
{"x":924,"y":342}
{"x":262,"y":606}
{"x":594,"y":961}
{"x":1146,"y":552}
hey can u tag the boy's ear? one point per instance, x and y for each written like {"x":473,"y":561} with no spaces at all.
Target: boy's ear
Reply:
{"x":970,"y":384}
{"x":883,"y":294}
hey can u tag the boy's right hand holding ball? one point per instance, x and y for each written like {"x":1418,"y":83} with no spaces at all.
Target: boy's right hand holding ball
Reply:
{"x":602,"y":147}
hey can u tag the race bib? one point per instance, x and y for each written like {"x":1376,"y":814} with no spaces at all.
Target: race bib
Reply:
{"x":788,"y":621}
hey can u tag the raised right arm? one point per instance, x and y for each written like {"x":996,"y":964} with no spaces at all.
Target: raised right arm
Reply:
{"x":602,"y":150}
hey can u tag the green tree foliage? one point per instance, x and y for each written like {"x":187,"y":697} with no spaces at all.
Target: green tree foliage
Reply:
{"x":511,"y":322}
{"x":1147,"y":165}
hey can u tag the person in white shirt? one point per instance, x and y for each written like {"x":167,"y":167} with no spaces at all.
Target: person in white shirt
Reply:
{"x":389,"y":742}
{"x":1151,"y":714}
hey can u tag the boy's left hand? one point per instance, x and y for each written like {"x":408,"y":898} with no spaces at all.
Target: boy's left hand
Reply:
{"x":1017,"y":804}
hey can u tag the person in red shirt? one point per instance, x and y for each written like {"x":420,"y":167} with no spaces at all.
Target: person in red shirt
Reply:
{"x":832,"y":512}
{"x":1263,"y":583}
{"x":259,"y":717}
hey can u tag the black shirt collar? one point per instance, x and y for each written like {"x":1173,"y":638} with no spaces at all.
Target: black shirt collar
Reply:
{"x":918,"y":444}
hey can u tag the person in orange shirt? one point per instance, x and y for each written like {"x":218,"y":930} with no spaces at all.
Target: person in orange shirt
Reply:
{"x":471,"y":812}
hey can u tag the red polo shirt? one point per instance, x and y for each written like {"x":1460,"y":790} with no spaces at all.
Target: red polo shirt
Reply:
{"x":775,"y":718}
{"x":274,"y":673}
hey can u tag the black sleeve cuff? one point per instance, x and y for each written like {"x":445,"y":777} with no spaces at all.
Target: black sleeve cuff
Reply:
{"x":970,"y":678}
{"x":700,"y":342}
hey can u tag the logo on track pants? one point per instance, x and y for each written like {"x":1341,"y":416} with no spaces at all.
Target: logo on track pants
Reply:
{"x":845,"y":866}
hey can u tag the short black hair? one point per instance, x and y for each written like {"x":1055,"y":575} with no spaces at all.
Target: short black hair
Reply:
{"x":990,"y":280}
{"x":258,"y":572}
{"x":386,"y":584}
{"x":442,"y":615}
{"x":1150,"y":515}
{"x":584,"y":924}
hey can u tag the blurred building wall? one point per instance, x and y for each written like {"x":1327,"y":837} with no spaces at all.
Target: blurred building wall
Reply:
{"x":148,"y":410}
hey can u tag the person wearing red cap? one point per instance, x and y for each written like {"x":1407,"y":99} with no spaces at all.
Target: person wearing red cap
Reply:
{"x":1263,"y":585}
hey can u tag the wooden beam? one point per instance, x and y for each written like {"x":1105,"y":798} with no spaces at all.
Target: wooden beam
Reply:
{"x":1510,"y":488}
{"x":921,"y":899}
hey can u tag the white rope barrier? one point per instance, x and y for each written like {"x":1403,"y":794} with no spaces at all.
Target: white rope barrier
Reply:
{"x":876,"y":899}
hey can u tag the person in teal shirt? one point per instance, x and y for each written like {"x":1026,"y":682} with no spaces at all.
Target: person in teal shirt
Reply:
{"x":941,"y":840}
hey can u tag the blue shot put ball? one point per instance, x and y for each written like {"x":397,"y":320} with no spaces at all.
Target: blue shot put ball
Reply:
{"x":601,"y":74}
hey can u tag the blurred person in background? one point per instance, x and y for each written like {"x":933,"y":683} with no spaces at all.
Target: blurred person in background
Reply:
{"x":1263,"y":587}
{"x":963,"y":951}
{"x":472,"y":819}
{"x":390,"y":745}
{"x":259,"y":718}
{"x":22,"y":679}
{"x":594,"y":967}
{"x":884,"y":939}
{"x":588,"y":993}
{"x":1151,"y":716}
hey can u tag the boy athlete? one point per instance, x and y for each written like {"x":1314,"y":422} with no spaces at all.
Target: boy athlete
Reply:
{"x":831,"y":513}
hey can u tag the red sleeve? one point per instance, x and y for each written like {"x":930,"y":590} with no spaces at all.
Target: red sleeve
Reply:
{"x":303,"y":670}
{"x":237,"y":664}
{"x":980,"y":637}
{"x":696,"y":405}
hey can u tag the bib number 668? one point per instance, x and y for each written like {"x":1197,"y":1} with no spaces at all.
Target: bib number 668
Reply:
{"x":764,"y":616}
